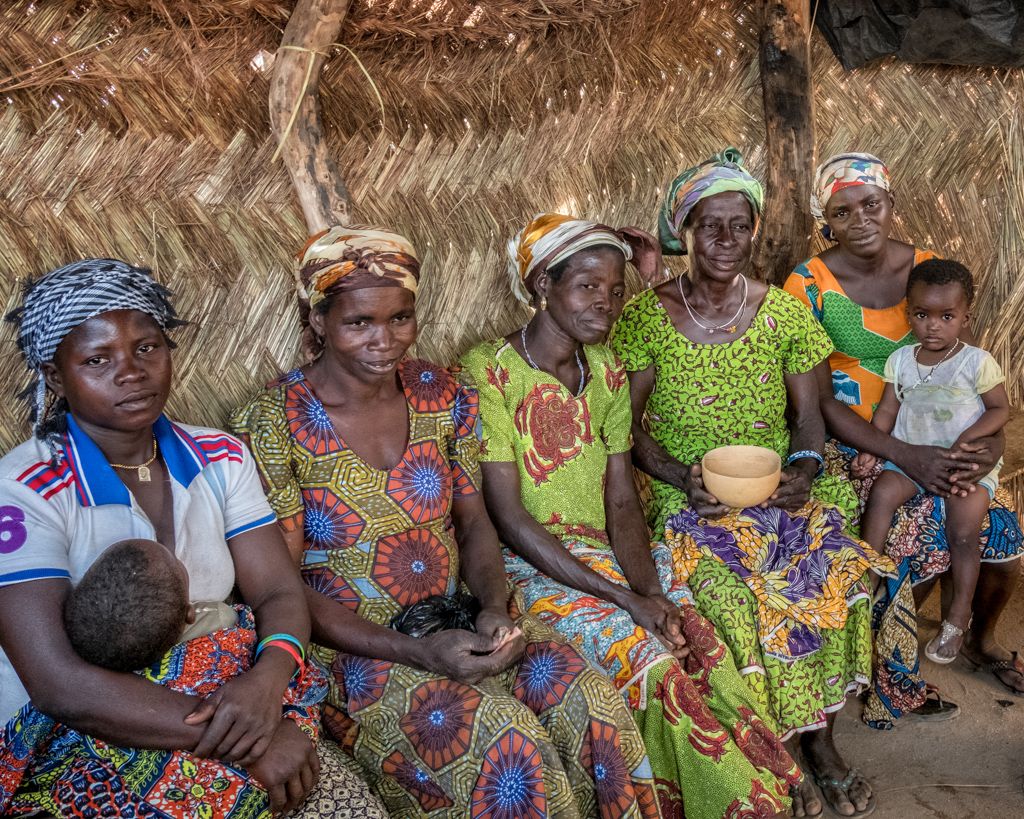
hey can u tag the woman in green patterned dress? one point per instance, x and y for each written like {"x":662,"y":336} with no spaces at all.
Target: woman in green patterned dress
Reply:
{"x":555,"y":421}
{"x":718,"y":358}
{"x":370,"y":462}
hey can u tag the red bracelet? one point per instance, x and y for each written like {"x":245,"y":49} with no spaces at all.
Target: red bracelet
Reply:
{"x":284,"y":645}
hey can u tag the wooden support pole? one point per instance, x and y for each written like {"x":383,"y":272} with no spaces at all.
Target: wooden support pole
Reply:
{"x":789,"y":127}
{"x":295,"y":111}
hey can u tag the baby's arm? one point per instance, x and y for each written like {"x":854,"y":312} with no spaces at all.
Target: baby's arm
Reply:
{"x":997,"y":413}
{"x":884,"y":419}
{"x":888,"y":408}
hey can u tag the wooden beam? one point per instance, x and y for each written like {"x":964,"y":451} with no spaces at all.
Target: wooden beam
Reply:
{"x":789,"y":127}
{"x":295,"y":111}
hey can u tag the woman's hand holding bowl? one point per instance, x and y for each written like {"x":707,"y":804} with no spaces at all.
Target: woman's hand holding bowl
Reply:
{"x":701,"y":501}
{"x":794,"y":490}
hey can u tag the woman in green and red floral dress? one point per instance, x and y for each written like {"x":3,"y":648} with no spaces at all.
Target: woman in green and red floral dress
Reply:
{"x":555,"y":421}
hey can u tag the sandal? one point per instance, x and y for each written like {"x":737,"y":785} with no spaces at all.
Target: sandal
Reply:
{"x":995,"y":666}
{"x":935,"y":708}
{"x":844,"y":786}
{"x":946,"y":633}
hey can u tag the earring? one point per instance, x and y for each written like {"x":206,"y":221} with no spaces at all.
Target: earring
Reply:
{"x":543,"y":303}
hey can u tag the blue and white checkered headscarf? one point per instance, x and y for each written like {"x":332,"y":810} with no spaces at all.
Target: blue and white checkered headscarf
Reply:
{"x":64,"y":298}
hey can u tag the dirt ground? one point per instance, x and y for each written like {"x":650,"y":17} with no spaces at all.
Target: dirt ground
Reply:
{"x":969,"y":767}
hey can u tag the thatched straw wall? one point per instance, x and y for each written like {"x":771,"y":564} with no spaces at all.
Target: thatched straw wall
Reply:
{"x":139,"y":130}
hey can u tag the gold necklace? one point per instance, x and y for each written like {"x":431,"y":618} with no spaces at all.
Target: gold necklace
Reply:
{"x":142,"y":468}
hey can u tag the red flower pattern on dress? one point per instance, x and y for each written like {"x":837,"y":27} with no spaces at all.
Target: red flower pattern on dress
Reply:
{"x":412,"y":565}
{"x":760,"y":804}
{"x":361,"y":679}
{"x":331,"y":585}
{"x":679,"y":696}
{"x":706,"y":650}
{"x":615,"y":377}
{"x":558,"y":426}
{"x":511,"y":782}
{"x":602,"y":754}
{"x":762,"y":747}
{"x":498,"y":378}
{"x":670,"y":799}
{"x":439,"y":723}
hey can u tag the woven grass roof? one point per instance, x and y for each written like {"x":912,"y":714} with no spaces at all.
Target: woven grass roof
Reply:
{"x":139,"y":129}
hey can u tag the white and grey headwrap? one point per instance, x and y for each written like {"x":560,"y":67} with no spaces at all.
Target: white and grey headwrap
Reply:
{"x":64,"y":298}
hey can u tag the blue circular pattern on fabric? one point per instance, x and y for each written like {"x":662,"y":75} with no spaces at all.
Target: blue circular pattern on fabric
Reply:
{"x":427,"y":482}
{"x":319,"y":525}
{"x":511,"y":787}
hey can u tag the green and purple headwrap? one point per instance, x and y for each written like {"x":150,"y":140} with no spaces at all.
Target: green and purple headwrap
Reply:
{"x":722,"y":173}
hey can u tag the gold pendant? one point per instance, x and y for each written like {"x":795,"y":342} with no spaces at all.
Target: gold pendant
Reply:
{"x":144,"y":474}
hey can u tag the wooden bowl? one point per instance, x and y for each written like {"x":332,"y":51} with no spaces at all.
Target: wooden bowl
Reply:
{"x":741,"y":476}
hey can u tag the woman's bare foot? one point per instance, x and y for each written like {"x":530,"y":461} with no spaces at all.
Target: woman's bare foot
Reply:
{"x":846,"y":792}
{"x":805,"y":796}
{"x":805,"y":799}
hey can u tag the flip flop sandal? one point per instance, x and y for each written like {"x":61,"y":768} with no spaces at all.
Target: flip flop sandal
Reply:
{"x":934,"y":708}
{"x":1013,"y":664}
{"x":946,"y":633}
{"x":843,"y":785}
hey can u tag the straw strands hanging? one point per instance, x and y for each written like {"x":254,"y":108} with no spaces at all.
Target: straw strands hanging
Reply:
{"x":139,"y":129}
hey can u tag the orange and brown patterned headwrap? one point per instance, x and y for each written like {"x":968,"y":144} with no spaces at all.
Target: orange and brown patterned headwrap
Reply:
{"x":346,"y":258}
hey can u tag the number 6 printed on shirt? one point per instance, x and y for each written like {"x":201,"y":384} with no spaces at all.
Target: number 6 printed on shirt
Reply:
{"x":12,"y":529}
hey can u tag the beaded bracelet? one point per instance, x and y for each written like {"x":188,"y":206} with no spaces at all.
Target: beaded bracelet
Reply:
{"x":808,"y":453}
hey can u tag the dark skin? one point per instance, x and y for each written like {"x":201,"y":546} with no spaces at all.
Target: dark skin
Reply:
{"x":115,"y":372}
{"x":719,"y":239}
{"x":582,"y":305}
{"x":366,"y":333}
{"x":938,"y":314}
{"x":873,"y":271}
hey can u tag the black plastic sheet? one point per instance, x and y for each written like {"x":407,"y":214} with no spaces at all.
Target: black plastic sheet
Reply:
{"x":438,"y":613}
{"x":969,"y":32}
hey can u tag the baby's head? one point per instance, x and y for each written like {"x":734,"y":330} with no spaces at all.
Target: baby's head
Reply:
{"x":130,"y":606}
{"x":939,"y":296}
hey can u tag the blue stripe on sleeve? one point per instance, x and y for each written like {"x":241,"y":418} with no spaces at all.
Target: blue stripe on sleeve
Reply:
{"x":256,"y":524}
{"x":34,"y":574}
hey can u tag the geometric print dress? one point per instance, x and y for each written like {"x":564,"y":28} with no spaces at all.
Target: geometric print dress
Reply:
{"x":547,"y":737}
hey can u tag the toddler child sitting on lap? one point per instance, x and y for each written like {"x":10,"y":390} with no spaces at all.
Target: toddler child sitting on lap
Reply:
{"x":939,"y":392}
